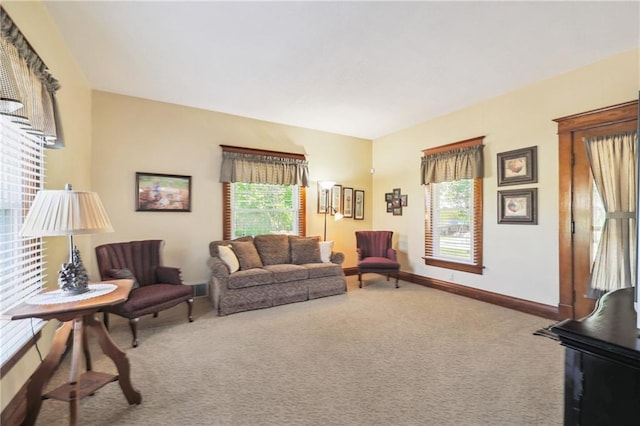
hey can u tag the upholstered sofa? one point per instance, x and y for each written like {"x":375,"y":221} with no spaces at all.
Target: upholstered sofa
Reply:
{"x":269,"y":270}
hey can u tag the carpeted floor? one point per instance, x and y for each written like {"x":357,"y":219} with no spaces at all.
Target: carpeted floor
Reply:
{"x":374,"y":356}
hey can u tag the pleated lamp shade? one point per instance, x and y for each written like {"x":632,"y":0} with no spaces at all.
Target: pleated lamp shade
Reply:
{"x":65,"y":212}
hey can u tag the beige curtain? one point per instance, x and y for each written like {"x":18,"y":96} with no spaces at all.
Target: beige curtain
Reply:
{"x":456,"y":164}
{"x":613,"y":161}
{"x":27,"y":89}
{"x":251,"y":168}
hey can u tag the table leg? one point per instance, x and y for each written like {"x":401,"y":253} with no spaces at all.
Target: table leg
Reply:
{"x":118,"y":357}
{"x":74,"y":372}
{"x":41,"y":376}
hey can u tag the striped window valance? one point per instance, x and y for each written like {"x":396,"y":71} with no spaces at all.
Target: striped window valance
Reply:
{"x":27,"y":89}
{"x":256,"y":166}
{"x":462,"y":160}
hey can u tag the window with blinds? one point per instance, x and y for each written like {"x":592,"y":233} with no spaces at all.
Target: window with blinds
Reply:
{"x":255,"y":209}
{"x":21,"y":259}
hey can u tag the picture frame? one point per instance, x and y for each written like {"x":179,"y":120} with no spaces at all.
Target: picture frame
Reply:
{"x":358,"y":204}
{"x":336,"y":199}
{"x":396,"y":193}
{"x":389,"y":207}
{"x":518,"y":206}
{"x":323,"y":199}
{"x":518,"y":166}
{"x":397,"y":211}
{"x":158,"y":192}
{"x":404,"y":200}
{"x":347,"y":202}
{"x":388,"y":197}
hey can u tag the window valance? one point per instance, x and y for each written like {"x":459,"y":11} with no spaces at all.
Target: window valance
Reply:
{"x":255,"y":166}
{"x":452,"y":163}
{"x":27,"y":89}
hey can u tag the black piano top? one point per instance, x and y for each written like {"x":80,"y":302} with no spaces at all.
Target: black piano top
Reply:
{"x":609,"y":331}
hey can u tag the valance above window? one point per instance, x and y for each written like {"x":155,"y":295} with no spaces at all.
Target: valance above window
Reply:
{"x":447,"y":165}
{"x":27,"y":89}
{"x":270,"y":168}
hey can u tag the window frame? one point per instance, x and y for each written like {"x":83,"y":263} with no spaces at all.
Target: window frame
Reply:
{"x":476,"y":266}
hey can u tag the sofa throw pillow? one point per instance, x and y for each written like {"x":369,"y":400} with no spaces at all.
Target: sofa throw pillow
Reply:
{"x":229,"y":257}
{"x":247,"y":254}
{"x":124,"y":274}
{"x":273,"y":248}
{"x":326,"y":248}
{"x":305,"y":250}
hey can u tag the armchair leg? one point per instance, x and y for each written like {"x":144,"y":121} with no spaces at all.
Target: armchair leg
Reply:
{"x":360,"y":279}
{"x":397,"y":286}
{"x":133,"y":324}
{"x":155,"y":315}
{"x":190,"y":305}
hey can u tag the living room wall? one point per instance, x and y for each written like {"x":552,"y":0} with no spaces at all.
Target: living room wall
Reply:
{"x":521,"y":260}
{"x":135,"y":135}
{"x":68,"y":165}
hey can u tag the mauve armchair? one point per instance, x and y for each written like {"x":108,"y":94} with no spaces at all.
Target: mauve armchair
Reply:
{"x":375,"y":254}
{"x":156,"y":287}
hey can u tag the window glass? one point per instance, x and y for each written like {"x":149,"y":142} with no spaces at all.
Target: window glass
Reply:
{"x":264,"y":209}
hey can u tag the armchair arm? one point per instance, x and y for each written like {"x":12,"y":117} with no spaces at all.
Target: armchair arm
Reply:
{"x":391,"y":254}
{"x":168,"y":275}
{"x":360,"y":254}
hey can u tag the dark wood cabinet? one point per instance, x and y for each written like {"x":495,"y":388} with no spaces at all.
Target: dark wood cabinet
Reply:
{"x":602,"y":363}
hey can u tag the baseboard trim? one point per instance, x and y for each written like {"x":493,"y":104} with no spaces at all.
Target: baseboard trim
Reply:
{"x":521,"y":305}
{"x":15,"y":412}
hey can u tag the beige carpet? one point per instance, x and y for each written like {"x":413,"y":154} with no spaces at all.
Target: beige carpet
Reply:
{"x":374,"y":356}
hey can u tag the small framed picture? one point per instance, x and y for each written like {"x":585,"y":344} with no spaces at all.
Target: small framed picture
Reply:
{"x":518,"y":206}
{"x":323,"y":199}
{"x":347,"y":202}
{"x":390,"y":207}
{"x":396,"y":192}
{"x":388,"y":197}
{"x":404,"y":200}
{"x":157,"y":192}
{"x":358,"y":204}
{"x":336,"y":199}
{"x":518,"y":166}
{"x":397,"y":211}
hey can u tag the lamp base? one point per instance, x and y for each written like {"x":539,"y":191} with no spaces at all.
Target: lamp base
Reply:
{"x":73,"y":278}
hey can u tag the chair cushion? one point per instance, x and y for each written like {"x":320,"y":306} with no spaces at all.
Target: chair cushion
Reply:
{"x":378,"y":263}
{"x":153,"y":295}
{"x":247,"y":254}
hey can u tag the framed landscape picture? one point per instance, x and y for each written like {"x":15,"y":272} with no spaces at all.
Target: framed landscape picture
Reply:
{"x":157,"y":192}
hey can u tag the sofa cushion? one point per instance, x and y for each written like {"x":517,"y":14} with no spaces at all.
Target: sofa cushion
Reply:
{"x":287,"y":272}
{"x":326,"y":248}
{"x":125,"y":274}
{"x":305,"y":250}
{"x":319,"y":270}
{"x":229,"y":257}
{"x":273,"y":248}
{"x":213,"y":245}
{"x":250,"y":278}
{"x":247,"y":254}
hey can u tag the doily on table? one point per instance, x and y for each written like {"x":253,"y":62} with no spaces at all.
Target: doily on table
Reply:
{"x":58,"y":296}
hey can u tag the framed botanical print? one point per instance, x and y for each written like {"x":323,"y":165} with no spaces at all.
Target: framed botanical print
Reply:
{"x":336,"y":199}
{"x":347,"y":202}
{"x":519,"y":206}
{"x":518,"y":166}
{"x":358,"y":204}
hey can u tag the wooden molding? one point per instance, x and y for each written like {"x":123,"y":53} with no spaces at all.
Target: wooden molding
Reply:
{"x":619,"y":113}
{"x":520,"y":305}
{"x":15,"y":412}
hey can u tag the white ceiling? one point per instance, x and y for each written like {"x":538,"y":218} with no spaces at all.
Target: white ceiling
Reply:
{"x":362,"y":69}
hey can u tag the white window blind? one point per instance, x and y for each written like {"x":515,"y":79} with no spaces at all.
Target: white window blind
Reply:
{"x":264,"y":209}
{"x":21,"y":259}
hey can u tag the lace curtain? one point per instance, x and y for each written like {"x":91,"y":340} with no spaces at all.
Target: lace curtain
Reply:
{"x":253,"y":168}
{"x":613,"y":162}
{"x":27,"y":89}
{"x":455,"y":164}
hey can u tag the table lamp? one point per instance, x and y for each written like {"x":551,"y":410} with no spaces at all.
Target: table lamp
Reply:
{"x":67,"y":212}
